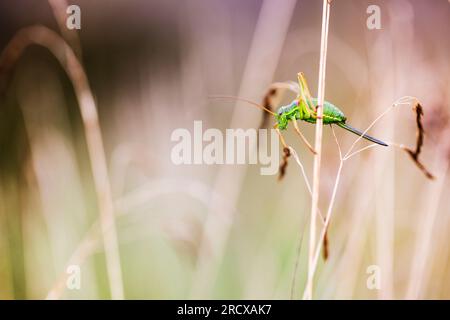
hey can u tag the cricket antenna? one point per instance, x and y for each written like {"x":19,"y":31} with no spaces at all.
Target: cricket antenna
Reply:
{"x":244,"y":100}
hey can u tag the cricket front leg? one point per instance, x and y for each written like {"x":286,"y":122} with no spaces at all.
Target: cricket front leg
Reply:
{"x":280,"y":135}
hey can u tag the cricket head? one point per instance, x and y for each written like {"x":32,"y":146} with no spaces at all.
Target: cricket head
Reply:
{"x":282,"y":119}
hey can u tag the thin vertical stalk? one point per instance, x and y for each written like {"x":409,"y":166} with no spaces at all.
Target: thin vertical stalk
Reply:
{"x":318,"y":148}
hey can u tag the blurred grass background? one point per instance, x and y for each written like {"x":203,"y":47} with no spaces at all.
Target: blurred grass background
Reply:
{"x":151,"y":66}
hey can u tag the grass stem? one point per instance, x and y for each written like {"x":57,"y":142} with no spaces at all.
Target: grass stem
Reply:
{"x":318,"y":148}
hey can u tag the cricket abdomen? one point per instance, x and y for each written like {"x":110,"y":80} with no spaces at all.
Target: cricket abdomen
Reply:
{"x":331,"y":113}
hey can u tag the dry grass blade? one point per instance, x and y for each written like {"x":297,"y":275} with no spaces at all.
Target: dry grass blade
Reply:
{"x":47,"y":38}
{"x":284,"y":163}
{"x":325,"y":250}
{"x":267,"y":103}
{"x":414,"y":154}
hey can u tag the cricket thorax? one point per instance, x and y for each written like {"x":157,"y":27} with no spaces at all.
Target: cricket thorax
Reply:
{"x":288,"y":109}
{"x":286,"y":113}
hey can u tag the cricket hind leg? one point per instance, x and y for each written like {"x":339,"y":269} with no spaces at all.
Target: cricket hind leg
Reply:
{"x":302,"y":137}
{"x":304,"y":94}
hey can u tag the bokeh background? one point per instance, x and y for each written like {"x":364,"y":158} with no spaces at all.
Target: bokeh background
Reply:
{"x":200,"y":231}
